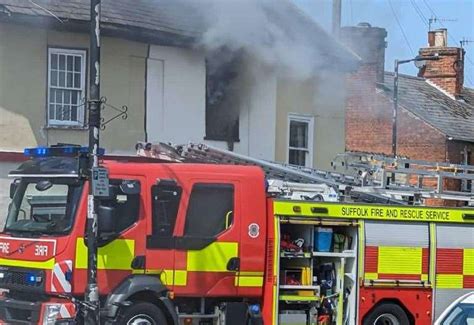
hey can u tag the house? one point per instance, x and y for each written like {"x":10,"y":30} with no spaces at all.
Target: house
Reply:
{"x":436,"y":112}
{"x":435,"y":120}
{"x":277,"y":94}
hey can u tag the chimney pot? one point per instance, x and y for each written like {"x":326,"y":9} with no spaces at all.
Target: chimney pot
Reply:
{"x":439,"y":38}
{"x":431,"y":38}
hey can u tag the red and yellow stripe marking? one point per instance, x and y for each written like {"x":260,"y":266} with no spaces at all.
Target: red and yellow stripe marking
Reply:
{"x":455,"y":268}
{"x":396,"y":263}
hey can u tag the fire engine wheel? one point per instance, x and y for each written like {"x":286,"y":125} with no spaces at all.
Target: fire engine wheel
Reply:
{"x":142,"y":313}
{"x":387,"y":314}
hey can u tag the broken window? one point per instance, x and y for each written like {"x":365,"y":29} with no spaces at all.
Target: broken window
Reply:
{"x":222,"y":98}
{"x":300,"y":140}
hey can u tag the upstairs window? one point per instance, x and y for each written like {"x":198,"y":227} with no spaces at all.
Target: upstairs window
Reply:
{"x":300,"y":140}
{"x":66,"y":87}
{"x":210,"y":210}
{"x":222,"y":98}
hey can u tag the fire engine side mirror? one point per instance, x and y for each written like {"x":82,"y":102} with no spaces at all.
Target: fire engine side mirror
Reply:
{"x":13,"y":187}
{"x":130,"y":187}
{"x":106,"y":222}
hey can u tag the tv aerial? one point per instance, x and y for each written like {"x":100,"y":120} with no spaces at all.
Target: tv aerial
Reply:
{"x":433,"y":20}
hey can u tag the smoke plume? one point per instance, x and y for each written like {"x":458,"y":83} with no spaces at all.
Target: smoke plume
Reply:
{"x":273,"y":31}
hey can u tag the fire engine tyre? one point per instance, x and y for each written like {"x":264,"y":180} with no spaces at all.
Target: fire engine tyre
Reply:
{"x":387,"y":314}
{"x":142,"y":313}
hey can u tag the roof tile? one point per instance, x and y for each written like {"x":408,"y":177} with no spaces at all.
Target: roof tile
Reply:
{"x":454,"y":118}
{"x":185,"y":18}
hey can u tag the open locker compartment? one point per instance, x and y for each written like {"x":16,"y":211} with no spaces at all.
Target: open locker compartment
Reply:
{"x":318,"y":272}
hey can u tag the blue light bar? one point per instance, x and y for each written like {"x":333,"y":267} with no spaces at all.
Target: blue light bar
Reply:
{"x":58,"y":151}
{"x":31,"y":278}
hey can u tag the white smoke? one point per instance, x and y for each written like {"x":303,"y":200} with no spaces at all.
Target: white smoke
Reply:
{"x":273,"y":31}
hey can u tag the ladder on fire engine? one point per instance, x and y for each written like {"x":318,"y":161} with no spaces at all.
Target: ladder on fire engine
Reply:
{"x":359,"y":177}
{"x":409,"y":177}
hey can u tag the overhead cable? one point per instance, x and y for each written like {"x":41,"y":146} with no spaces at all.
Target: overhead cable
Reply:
{"x":401,"y":28}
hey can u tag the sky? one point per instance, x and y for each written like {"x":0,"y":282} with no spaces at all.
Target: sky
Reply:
{"x":413,"y":15}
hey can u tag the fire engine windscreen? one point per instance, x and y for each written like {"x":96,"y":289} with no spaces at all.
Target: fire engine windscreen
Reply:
{"x":43,"y":207}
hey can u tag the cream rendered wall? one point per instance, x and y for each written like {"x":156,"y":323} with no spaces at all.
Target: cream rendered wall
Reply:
{"x":23,"y":73}
{"x":176,"y":102}
{"x":176,"y":95}
{"x":321,"y":98}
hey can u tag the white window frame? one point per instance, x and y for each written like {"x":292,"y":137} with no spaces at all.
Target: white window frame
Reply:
{"x":310,"y":121}
{"x":80,"y":109}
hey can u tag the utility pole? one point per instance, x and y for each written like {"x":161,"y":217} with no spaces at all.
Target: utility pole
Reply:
{"x":420,"y":61}
{"x":92,"y":290}
{"x":336,"y":17}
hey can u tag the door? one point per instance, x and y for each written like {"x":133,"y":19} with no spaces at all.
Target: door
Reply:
{"x":208,"y":247}
{"x":165,"y":197}
{"x":121,"y":248}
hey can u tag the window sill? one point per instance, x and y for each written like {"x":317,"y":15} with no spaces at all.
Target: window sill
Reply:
{"x":223,"y":139}
{"x":66,"y":127}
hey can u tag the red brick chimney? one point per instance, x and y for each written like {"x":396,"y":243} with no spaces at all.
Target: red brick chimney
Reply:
{"x":369,"y":43}
{"x":367,"y":122}
{"x":447,"y":72}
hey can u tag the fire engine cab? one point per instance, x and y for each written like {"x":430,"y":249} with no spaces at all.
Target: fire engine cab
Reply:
{"x":193,"y":243}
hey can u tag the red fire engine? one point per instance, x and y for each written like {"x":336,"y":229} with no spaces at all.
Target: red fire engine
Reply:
{"x":208,"y":244}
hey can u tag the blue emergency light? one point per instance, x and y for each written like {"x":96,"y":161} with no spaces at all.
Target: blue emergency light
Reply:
{"x":254,"y":309}
{"x":32,"y":278}
{"x":58,"y":151}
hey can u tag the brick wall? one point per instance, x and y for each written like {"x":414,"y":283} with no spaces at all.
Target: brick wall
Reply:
{"x":369,"y":124}
{"x":418,"y":140}
{"x":455,"y":152}
{"x":367,"y":120}
{"x":368,"y":114}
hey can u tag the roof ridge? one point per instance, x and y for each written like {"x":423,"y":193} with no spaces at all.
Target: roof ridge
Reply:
{"x":403,"y":75}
